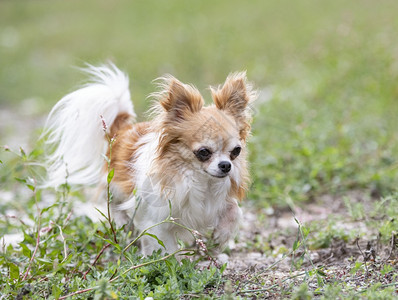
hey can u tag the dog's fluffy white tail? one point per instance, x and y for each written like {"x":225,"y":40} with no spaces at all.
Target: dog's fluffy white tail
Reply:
{"x":75,"y":129}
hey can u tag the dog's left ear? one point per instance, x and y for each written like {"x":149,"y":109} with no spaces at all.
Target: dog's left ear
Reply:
{"x":234,"y":98}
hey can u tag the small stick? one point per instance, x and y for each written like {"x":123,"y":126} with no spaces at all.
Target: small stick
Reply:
{"x":96,"y":259}
{"x":272,"y":286}
{"x":64,"y":242}
{"x":76,"y":293}
{"x":392,"y":246}
{"x":364,"y":257}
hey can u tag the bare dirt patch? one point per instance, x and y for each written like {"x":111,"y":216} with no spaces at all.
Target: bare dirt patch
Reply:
{"x":262,"y":259}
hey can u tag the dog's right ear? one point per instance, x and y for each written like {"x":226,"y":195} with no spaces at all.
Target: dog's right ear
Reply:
{"x":178,"y":99}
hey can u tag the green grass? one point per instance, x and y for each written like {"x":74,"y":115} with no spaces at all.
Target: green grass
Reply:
{"x":325,"y":122}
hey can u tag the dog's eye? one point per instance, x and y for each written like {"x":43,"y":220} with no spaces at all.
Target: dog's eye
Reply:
{"x":235,"y":152}
{"x":203,"y":154}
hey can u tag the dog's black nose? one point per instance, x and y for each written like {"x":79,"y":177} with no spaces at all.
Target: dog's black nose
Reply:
{"x":225,"y":166}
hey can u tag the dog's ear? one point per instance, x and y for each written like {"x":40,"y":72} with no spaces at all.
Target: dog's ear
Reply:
{"x":179,"y":99}
{"x":234,"y":98}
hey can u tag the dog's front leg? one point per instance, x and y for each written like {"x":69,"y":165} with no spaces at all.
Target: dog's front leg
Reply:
{"x":228,"y":223}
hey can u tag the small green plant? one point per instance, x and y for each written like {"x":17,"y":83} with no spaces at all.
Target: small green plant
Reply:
{"x":356,"y":210}
{"x":386,"y":269}
{"x":327,"y":232}
{"x":332,"y":292}
{"x":302,"y":292}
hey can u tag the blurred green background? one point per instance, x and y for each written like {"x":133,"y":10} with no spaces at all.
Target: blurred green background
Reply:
{"x":326,"y":118}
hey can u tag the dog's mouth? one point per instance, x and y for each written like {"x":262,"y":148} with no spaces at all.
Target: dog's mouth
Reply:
{"x":217,"y":175}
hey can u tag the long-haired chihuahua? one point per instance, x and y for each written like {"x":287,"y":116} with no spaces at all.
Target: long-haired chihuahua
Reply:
{"x":188,"y":157}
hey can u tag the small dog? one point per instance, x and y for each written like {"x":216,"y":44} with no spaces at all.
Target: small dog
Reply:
{"x":189,"y":157}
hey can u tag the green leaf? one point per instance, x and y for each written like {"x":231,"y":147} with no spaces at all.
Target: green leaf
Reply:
{"x":386,"y":269}
{"x":21,"y":180}
{"x":296,"y":244}
{"x":22,"y":152}
{"x":110,"y":175}
{"x":44,"y":261}
{"x":156,"y":238}
{"x":355,"y":269}
{"x":109,"y":242}
{"x":28,"y":239}
{"x":66,"y":261}
{"x":305,"y":231}
{"x":320,"y":280}
{"x":31,"y":187}
{"x":25,"y":250}
{"x":14,"y":271}
{"x":36,"y":153}
{"x":102,"y":214}
{"x":48,"y":208}
{"x":144,"y":270}
{"x":188,"y":253}
{"x":56,"y":291}
{"x":223,"y":267}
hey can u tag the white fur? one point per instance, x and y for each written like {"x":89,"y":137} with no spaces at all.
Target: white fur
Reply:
{"x":75,"y":130}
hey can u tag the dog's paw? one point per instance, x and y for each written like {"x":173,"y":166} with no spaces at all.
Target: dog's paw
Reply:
{"x":227,"y":225}
{"x":222,"y":236}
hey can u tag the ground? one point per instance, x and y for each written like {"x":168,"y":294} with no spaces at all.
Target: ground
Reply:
{"x":336,"y":260}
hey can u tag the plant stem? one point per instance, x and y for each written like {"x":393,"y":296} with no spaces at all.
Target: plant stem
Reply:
{"x":149,"y":262}
{"x":96,"y":259}
{"x":108,"y":190}
{"x":272,"y":286}
{"x":76,"y":293}
{"x":167,"y":220}
{"x":273,"y":265}
{"x":37,"y":238}
{"x":143,"y":233}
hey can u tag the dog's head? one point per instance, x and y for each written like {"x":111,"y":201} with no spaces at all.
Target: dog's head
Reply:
{"x":209,"y":139}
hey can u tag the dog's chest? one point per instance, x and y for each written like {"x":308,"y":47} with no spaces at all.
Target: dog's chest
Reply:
{"x":203,"y":203}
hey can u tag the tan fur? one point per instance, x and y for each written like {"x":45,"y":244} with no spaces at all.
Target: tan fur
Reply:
{"x":124,"y":147}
